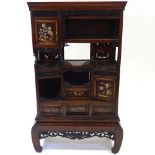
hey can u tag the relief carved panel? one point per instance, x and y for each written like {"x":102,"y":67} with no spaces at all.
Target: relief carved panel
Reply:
{"x":102,"y":109}
{"x":51,"y":109}
{"x":77,"y":109}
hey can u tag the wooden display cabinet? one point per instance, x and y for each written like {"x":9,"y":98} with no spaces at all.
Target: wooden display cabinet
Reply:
{"x":77,"y":98}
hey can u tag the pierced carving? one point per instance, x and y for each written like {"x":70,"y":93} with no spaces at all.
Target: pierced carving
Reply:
{"x":77,"y":135}
{"x":67,"y":63}
{"x":103,"y":53}
{"x":86,"y":64}
{"x":47,"y":55}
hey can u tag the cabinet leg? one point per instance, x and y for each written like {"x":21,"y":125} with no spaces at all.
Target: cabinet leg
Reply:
{"x":118,"y":134}
{"x":35,"y":132}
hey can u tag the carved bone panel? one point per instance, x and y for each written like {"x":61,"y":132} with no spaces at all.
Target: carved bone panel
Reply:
{"x":104,"y":89}
{"x":46,"y":32}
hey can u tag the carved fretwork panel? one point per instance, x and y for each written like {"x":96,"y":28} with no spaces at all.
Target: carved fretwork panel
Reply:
{"x":46,"y":32}
{"x":103,"y":53}
{"x":105,"y":89}
{"x":77,"y":135}
{"x":48,"y":55}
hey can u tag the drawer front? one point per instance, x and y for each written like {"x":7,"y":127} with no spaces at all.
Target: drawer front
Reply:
{"x":53,"y":74}
{"x":77,"y":109}
{"x":104,"y":89}
{"x":52,"y":109}
{"x":76,"y":92}
{"x":102,"y":110}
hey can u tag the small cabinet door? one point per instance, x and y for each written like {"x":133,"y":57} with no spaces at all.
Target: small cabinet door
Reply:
{"x":46,"y":32}
{"x":104,"y":88}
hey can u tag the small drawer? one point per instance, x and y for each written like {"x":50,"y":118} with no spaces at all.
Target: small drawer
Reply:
{"x":76,"y":92}
{"x":77,"y":109}
{"x":52,"y":109}
{"x":102,"y":110}
{"x":52,"y":74}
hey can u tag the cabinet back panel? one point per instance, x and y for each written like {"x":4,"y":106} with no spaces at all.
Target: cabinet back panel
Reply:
{"x":88,"y":28}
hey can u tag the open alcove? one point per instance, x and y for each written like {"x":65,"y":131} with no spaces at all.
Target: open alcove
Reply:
{"x":76,"y":54}
{"x":49,"y":88}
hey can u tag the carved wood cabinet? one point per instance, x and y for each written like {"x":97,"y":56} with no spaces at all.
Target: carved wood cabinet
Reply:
{"x":77,"y":98}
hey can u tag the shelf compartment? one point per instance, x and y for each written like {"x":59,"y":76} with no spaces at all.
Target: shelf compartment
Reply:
{"x":91,"y":28}
{"x":49,"y":88}
{"x":76,"y":78}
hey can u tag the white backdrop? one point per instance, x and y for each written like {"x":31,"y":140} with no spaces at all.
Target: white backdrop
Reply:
{"x":137,"y":87}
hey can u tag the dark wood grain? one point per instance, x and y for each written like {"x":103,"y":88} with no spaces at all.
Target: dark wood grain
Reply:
{"x":77,"y":98}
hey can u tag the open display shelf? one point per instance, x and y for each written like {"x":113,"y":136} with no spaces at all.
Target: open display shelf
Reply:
{"x":77,"y":98}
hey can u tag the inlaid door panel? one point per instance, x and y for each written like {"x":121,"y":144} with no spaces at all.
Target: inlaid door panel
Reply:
{"x":104,"y":89}
{"x":46,"y":32}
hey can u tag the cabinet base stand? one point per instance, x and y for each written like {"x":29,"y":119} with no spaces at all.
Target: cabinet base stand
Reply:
{"x":77,"y":131}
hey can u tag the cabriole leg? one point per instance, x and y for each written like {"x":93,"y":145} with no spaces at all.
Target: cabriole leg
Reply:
{"x":36,"y":138}
{"x":118,"y":134}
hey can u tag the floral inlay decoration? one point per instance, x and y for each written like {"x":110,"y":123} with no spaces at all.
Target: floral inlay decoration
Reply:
{"x":46,"y":32}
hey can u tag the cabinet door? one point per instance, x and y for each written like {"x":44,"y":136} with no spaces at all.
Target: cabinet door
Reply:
{"x":47,"y":32}
{"x":104,"y":88}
